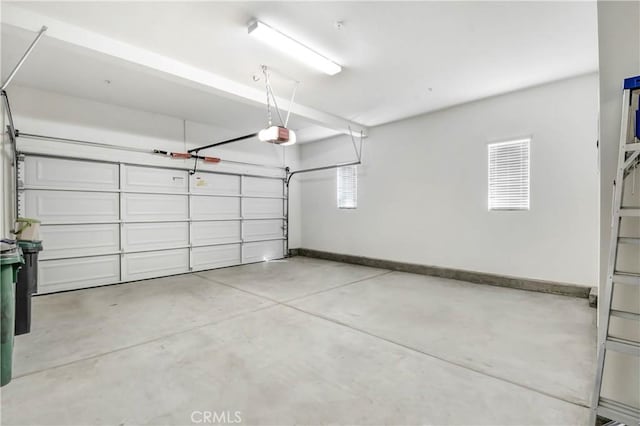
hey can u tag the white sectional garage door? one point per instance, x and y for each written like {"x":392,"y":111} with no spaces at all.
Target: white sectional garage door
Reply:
{"x":104,"y":223}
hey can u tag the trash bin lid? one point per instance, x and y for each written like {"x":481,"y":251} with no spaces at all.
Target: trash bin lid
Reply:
{"x":7,"y":245}
{"x":10,"y":253}
{"x":30,"y":246}
{"x":11,"y":259}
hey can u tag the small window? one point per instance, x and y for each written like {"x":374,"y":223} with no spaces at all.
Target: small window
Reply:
{"x":509,"y":175}
{"x":347,"y":187}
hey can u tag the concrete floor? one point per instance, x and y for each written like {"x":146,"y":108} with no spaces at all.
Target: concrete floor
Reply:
{"x":304,"y":341}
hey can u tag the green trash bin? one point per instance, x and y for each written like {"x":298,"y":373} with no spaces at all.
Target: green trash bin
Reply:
{"x":10,"y":261}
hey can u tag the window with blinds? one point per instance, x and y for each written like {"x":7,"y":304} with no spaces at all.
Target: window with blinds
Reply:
{"x":509,"y":175}
{"x":347,"y":187}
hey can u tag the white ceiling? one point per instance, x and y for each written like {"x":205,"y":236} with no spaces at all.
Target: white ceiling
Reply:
{"x":59,"y":67}
{"x":400,"y":59}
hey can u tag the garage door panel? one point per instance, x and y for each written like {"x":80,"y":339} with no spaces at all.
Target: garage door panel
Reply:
{"x":138,"y":266}
{"x":264,"y":250}
{"x":215,"y":208}
{"x":227,"y":231}
{"x":263,"y":229}
{"x":79,"y":240}
{"x":154,"y":215}
{"x":63,"y":206}
{"x":215,"y":184}
{"x":253,"y":186}
{"x":215,"y":256}
{"x":154,"y":207}
{"x":262,"y":208}
{"x":153,"y":236}
{"x":71,"y":174}
{"x":69,"y":274}
{"x":148,"y":179}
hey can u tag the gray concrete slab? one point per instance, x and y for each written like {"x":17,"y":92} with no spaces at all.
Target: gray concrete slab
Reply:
{"x":275,"y":366}
{"x":80,"y":324}
{"x":546,"y":342}
{"x":291,"y":278}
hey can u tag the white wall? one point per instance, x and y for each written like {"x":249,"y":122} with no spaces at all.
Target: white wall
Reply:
{"x":423,"y":188}
{"x":40,"y":112}
{"x":619,"y":50}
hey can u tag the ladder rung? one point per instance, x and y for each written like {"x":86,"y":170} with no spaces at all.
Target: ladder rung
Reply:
{"x":617,"y":411}
{"x":629,"y":240}
{"x":632,"y":147}
{"x":623,"y":346}
{"x":626,"y":278}
{"x":626,"y":211}
{"x":625,"y":315}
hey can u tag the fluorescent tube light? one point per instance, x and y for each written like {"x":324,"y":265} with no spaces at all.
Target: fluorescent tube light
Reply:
{"x":286,"y":44}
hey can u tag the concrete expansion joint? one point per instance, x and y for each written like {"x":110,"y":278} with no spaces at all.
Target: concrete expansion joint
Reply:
{"x":145,"y":342}
{"x":286,"y":304}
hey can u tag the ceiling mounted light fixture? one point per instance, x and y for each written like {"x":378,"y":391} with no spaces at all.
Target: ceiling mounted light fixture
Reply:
{"x":288,"y":45}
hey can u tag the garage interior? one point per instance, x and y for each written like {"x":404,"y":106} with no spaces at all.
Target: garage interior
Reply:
{"x":362,"y":213}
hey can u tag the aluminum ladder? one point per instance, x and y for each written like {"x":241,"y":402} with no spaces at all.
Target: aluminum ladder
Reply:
{"x":628,"y":159}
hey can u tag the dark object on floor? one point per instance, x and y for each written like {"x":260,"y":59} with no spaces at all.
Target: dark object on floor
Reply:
{"x":27,"y":285}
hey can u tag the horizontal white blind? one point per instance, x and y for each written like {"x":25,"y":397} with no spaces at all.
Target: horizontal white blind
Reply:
{"x":509,"y":175}
{"x":347,"y":190}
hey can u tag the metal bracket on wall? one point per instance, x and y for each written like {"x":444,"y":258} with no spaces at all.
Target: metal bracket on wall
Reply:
{"x":11,"y":130}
